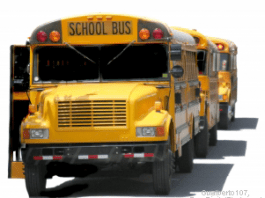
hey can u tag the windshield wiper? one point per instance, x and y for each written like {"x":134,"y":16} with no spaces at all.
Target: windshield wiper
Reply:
{"x":70,"y":46}
{"x":121,"y":52}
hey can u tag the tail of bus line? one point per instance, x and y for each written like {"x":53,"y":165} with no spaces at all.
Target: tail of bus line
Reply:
{"x":227,"y":80}
{"x":207,"y":55}
{"x":99,"y":90}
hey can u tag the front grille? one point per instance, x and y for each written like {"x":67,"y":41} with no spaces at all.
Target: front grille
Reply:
{"x":92,"y":113}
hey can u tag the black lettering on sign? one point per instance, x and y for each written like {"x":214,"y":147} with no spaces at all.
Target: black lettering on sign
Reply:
{"x":98,"y":28}
{"x":121,"y":27}
{"x":91,"y":28}
{"x":103,"y":29}
{"x":114,"y":28}
{"x":71,"y":26}
{"x":84,"y":29}
{"x":76,"y":29}
{"x":128,"y":29}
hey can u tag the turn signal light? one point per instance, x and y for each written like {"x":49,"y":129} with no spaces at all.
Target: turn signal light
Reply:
{"x":26,"y":134}
{"x":41,"y":36}
{"x":224,"y":97}
{"x":55,"y":36}
{"x":158,"y":33}
{"x":32,"y":108}
{"x":158,"y":106}
{"x":160,"y":131}
{"x":144,"y":34}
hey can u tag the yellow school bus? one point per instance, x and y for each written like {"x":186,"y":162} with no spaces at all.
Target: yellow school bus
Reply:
{"x":207,"y":60}
{"x":227,"y":80}
{"x":102,"y":89}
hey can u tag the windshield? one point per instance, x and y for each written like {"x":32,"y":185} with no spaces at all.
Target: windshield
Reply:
{"x":201,"y":60}
{"x":137,"y":62}
{"x":224,"y":62}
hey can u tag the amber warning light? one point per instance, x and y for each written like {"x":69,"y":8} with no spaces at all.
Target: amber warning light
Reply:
{"x":55,"y":36}
{"x":144,"y":34}
{"x":220,"y":46}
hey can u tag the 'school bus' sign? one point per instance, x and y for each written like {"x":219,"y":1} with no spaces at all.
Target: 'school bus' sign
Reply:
{"x":99,"y":28}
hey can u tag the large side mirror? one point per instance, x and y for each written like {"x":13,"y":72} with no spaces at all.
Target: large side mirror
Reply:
{"x":177,"y":71}
{"x":175,"y":52}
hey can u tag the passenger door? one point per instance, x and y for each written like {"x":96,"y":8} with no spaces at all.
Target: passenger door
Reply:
{"x":19,"y":101}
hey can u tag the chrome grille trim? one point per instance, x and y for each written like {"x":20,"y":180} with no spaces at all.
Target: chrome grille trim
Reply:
{"x":92,"y":113}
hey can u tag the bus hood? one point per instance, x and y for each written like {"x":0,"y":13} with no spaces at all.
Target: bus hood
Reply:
{"x":95,"y":91}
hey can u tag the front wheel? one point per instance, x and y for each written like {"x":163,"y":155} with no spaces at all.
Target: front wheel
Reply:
{"x":35,"y":179}
{"x":162,"y":171}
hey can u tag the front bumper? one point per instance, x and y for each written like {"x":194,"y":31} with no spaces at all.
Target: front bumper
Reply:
{"x":94,"y":153}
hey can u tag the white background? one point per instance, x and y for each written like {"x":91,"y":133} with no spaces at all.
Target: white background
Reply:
{"x":240,"y":21}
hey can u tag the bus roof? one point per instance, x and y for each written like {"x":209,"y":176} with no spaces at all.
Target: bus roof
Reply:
{"x":228,"y":46}
{"x":184,"y":38}
{"x":101,"y":28}
{"x":202,"y":44}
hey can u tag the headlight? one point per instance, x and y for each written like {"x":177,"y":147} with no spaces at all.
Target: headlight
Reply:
{"x":39,"y":133}
{"x":149,"y":131}
{"x":220,"y":97}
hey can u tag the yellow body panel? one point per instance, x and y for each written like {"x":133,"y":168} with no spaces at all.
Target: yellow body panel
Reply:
{"x":20,"y":96}
{"x":204,"y":82}
{"x":224,"y":85}
{"x":17,"y":170}
{"x":140,"y":100}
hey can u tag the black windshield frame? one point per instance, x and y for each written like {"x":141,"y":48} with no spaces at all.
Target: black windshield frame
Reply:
{"x":102,"y":58}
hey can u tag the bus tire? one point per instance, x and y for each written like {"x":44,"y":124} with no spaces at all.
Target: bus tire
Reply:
{"x":35,"y":179}
{"x":234,"y":112}
{"x":213,"y":136}
{"x":224,"y":121}
{"x":162,"y":171}
{"x":201,"y":141}
{"x":185,"y":162}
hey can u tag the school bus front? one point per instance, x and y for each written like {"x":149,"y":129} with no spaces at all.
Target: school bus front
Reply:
{"x":100,"y":93}
{"x":102,"y":99}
